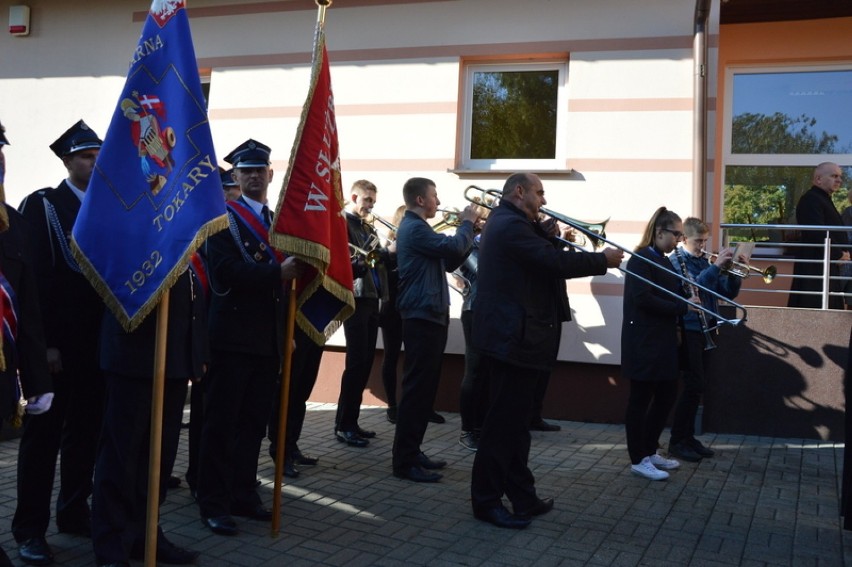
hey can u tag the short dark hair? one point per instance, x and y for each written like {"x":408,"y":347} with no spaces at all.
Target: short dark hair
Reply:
{"x":415,"y":187}
{"x":522,"y":179}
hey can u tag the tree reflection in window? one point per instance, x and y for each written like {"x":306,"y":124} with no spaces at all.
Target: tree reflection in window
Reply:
{"x":514,"y":115}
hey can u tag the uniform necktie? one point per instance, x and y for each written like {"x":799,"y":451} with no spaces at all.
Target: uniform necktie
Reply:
{"x":267,"y":216}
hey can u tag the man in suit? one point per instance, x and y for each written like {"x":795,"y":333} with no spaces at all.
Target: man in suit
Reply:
{"x":23,"y":360}
{"x":816,"y":208}
{"x":248,"y":280}
{"x":121,"y":474}
{"x":517,"y":321}
{"x":362,"y":328}
{"x":423,"y":257}
{"x":71,"y":310}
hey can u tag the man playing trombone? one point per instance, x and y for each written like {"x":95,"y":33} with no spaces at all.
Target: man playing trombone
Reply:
{"x":517,"y":320}
{"x":369,"y":267}
{"x":691,"y":262}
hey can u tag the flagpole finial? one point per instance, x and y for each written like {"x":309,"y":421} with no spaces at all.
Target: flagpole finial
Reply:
{"x":322,"y":5}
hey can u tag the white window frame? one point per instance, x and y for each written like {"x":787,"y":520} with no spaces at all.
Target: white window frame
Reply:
{"x":558,"y":163}
{"x":771,"y":160}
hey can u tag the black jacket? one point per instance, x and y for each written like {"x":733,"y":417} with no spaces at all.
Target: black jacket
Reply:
{"x":816,"y":208}
{"x":649,"y":340}
{"x":521,"y":299}
{"x":30,"y":358}
{"x":247,"y":307}
{"x":187,"y":349}
{"x":70,"y":306}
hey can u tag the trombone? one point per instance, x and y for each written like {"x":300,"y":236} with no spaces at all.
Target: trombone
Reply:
{"x":743,"y":270}
{"x":496,"y":193}
{"x":592,"y":235}
{"x":450,"y":219}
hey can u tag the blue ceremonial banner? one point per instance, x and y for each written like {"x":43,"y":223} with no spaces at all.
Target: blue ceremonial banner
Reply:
{"x":155,"y":194}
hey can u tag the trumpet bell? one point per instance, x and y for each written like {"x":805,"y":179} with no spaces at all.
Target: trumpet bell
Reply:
{"x":769,"y":274}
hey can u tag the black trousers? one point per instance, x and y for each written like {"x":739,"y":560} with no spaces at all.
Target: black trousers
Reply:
{"x":500,"y":466}
{"x":196,"y":425}
{"x":391,"y":325}
{"x":424,"y":349}
{"x":693,"y":360}
{"x":361,"y":331}
{"x":303,"y":376}
{"x":119,"y":501}
{"x":72,"y":427}
{"x":648,"y":409}
{"x":239,"y":400}
{"x":473,"y":395}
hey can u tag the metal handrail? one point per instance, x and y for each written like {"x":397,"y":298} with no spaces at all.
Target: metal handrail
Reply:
{"x":826,"y":261}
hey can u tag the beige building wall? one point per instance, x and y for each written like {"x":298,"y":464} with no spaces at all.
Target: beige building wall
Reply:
{"x":397,"y":72}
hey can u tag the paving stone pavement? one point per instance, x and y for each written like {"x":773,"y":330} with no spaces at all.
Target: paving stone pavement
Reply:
{"x":760,"y":502}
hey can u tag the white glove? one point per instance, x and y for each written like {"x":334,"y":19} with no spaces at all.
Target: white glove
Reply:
{"x":39,"y":404}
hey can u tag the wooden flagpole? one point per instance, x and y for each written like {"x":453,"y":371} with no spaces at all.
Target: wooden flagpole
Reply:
{"x":282,"y":410}
{"x":156,"y":432}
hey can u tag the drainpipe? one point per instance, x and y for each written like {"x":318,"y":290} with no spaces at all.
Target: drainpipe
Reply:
{"x":699,"y":112}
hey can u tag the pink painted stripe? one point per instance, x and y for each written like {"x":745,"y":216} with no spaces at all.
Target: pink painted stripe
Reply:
{"x":452,"y":51}
{"x":634,"y":165}
{"x":629,"y":104}
{"x":341,"y":110}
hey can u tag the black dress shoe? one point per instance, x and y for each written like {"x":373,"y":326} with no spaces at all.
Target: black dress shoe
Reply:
{"x":392,"y":413}
{"x":351,"y":438}
{"x":417,"y":474}
{"x":300,"y":458}
{"x":435,"y":417}
{"x":167,"y":552}
{"x":35,"y":551}
{"x":500,"y":517}
{"x":537,"y":509}
{"x":253,"y":512}
{"x":429,"y":464}
{"x":290,"y":470}
{"x":699,"y":448}
{"x":173,"y":482}
{"x":541,"y":425}
{"x":366,"y":434}
{"x":684,"y":452}
{"x":222,"y":525}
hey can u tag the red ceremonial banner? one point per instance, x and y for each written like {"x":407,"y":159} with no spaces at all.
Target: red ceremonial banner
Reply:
{"x":309,"y":222}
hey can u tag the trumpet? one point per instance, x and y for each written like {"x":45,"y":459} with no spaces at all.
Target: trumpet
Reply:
{"x":743,"y":270}
{"x":591,"y":234}
{"x":371,"y":257}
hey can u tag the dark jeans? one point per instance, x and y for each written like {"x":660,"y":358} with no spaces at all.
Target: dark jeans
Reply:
{"x":500,"y":466}
{"x":121,"y":475}
{"x":360,"y":330}
{"x":647,"y":411}
{"x":693,"y":357}
{"x":473,"y":399}
{"x":424,"y":350}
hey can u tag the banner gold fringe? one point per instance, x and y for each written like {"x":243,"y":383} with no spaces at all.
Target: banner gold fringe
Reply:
{"x":114,"y":305}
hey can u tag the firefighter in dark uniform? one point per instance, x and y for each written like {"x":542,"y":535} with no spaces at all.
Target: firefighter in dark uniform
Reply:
{"x":71,"y":311}
{"x":248,"y":282}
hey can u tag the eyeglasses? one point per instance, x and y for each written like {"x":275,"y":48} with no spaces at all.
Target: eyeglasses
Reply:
{"x":676,"y":233}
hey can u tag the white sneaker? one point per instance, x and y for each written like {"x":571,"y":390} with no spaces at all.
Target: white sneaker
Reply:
{"x":647,"y":470}
{"x":661,"y":462}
